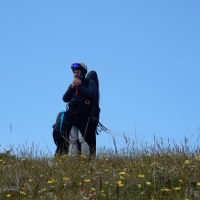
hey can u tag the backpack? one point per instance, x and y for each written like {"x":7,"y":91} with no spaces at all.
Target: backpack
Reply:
{"x":58,"y":126}
{"x":92,"y":75}
{"x":60,"y":135}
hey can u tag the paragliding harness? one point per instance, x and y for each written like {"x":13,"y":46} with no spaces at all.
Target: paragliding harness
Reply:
{"x":81,"y":114}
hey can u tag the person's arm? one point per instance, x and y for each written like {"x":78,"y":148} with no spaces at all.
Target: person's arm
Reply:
{"x":88,"y":92}
{"x":68,"y":94}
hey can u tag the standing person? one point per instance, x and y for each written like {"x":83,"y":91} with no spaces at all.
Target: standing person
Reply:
{"x":81,"y":98}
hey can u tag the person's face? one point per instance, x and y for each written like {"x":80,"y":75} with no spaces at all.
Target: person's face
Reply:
{"x":77,"y":73}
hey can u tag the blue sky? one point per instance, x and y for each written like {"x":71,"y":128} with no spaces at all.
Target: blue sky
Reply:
{"x":146,"y":53}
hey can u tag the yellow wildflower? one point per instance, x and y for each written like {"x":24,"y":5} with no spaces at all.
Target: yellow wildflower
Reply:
{"x":197,"y":158}
{"x":176,"y":188}
{"x":165,"y":189}
{"x":49,"y":182}
{"x":21,"y":192}
{"x":141,"y":176}
{"x":148,"y":183}
{"x":187,"y":162}
{"x":66,"y":178}
{"x":122,"y":173}
{"x":119,"y":182}
{"x":87,"y":180}
{"x":198,"y":184}
{"x":54,"y":181}
{"x":8,"y":195}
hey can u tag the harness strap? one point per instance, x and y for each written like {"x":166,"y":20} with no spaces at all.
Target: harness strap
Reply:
{"x":86,"y":127}
{"x":102,"y":127}
{"x":66,"y":139}
{"x":76,"y":93}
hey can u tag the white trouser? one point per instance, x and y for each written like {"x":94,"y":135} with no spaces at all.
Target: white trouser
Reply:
{"x":75,"y":136}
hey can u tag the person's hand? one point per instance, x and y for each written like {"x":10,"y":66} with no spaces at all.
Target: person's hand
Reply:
{"x":73,"y":83}
{"x":76,"y":82}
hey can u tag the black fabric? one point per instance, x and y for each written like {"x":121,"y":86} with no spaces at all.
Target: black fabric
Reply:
{"x":92,"y":75}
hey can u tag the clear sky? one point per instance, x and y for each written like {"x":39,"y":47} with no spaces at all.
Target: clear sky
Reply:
{"x":146,"y":53}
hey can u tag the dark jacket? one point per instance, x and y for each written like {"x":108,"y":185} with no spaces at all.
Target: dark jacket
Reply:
{"x":86,"y":91}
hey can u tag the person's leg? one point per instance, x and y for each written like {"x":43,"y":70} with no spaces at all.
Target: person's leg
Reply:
{"x":84,"y":146}
{"x":92,"y":139}
{"x":73,"y":138}
{"x":61,"y":144}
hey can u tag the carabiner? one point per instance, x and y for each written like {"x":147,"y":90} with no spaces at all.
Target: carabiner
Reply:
{"x":87,"y":102}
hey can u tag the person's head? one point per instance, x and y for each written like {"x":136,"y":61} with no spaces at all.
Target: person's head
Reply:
{"x":79,"y":70}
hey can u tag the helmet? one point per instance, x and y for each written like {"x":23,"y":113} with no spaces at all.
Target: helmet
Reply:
{"x":79,"y":66}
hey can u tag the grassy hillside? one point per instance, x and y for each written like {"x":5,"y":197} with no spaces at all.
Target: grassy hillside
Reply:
{"x":147,"y":173}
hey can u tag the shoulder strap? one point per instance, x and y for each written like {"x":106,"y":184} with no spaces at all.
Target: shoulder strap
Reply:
{"x":61,"y":120}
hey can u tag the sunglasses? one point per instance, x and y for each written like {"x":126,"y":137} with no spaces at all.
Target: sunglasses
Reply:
{"x":75,"y":66}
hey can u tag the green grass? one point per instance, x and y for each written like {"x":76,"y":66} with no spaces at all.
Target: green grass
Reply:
{"x":149,"y":173}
